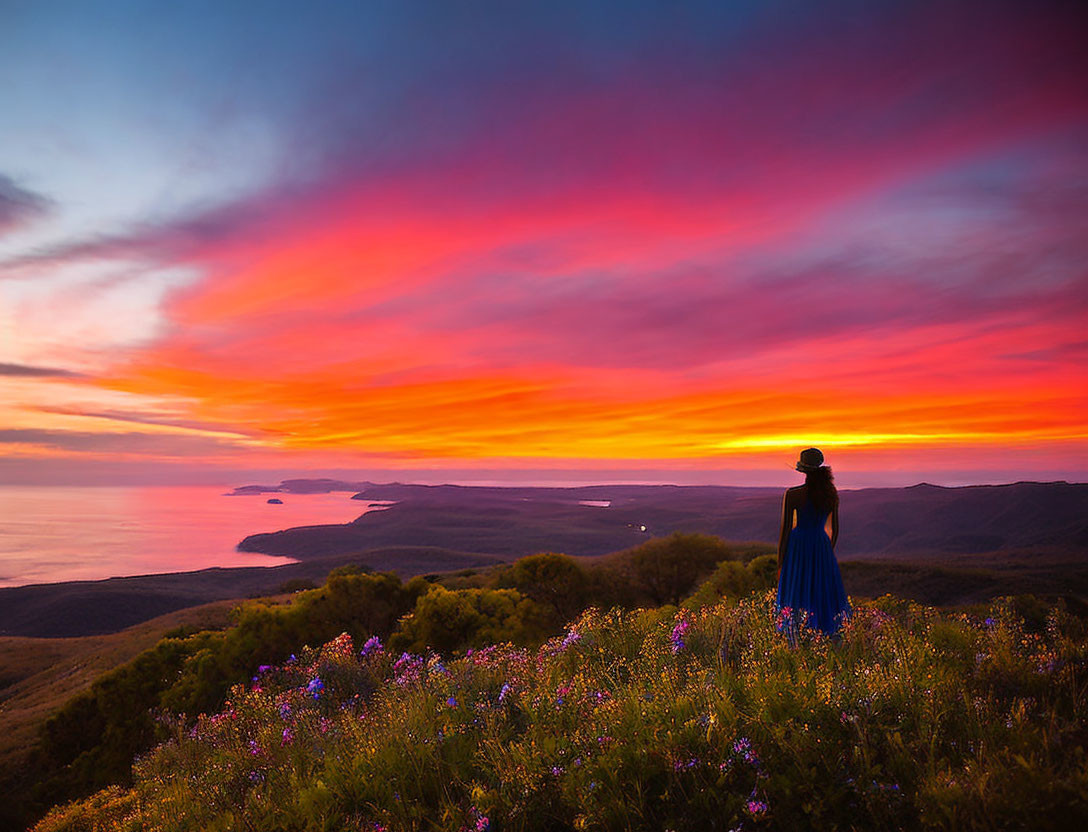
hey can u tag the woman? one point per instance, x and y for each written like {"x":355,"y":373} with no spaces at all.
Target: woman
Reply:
{"x":810,"y":587}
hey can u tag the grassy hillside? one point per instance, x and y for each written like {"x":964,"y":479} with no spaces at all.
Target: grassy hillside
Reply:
{"x":38,"y":675}
{"x":702,"y":717}
{"x":89,"y":742}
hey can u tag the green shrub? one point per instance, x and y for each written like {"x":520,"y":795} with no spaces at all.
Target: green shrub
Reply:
{"x":733,"y":578}
{"x":448,"y":620}
{"x":556,"y":581}
{"x":665,"y":569}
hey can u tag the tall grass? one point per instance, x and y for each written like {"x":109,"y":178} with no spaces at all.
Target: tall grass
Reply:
{"x":669,"y":718}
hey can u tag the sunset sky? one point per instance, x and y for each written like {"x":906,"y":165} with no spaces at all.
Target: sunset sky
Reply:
{"x":523,"y":242}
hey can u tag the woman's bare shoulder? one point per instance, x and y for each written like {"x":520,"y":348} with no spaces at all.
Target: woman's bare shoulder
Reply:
{"x":795,"y":493}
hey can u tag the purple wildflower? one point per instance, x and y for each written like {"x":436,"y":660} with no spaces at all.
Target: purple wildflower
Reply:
{"x":316,"y":687}
{"x":452,"y":702}
{"x":372,"y":645}
{"x":756,"y":808}
{"x":677,"y":635}
{"x":287,"y":736}
{"x":408,"y":668}
{"x":504,"y":691}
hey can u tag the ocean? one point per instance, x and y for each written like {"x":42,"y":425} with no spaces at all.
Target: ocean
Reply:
{"x":50,"y":534}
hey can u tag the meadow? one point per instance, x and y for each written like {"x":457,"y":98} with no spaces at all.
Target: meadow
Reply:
{"x":693,"y":715}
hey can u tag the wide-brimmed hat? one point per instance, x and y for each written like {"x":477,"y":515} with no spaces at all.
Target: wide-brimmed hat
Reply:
{"x":811,"y":460}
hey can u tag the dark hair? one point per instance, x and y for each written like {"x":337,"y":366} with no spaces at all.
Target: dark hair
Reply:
{"x":821,"y":488}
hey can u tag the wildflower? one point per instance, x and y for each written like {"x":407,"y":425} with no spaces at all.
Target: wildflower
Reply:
{"x":287,"y":737}
{"x":452,"y":702}
{"x":372,"y":645}
{"x":571,"y":637}
{"x":504,"y":691}
{"x":264,"y":668}
{"x":756,"y":808}
{"x":408,"y":668}
{"x":989,"y":622}
{"x":742,"y":745}
{"x":255,"y":776}
{"x":254,"y":748}
{"x":557,"y":770}
{"x":316,"y":687}
{"x":677,"y":635}
{"x":285,"y":711}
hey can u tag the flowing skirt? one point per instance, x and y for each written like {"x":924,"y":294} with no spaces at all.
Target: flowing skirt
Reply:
{"x":810,"y":590}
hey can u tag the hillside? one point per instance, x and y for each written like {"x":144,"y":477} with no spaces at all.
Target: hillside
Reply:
{"x":37,"y":676}
{"x":663,"y":719}
{"x":89,"y":741}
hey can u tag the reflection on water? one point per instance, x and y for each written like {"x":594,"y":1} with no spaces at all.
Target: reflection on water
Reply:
{"x":62,"y":534}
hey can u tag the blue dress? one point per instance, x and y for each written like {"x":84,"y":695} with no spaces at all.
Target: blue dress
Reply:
{"x":810,"y":589}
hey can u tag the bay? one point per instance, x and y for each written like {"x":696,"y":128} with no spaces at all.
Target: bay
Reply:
{"x":51,"y":533}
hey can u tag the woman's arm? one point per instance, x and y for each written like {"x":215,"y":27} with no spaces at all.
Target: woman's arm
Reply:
{"x":834,"y":526}
{"x":787,"y":523}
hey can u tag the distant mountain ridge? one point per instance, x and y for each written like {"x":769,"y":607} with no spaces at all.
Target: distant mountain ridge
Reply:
{"x":921,"y":520}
